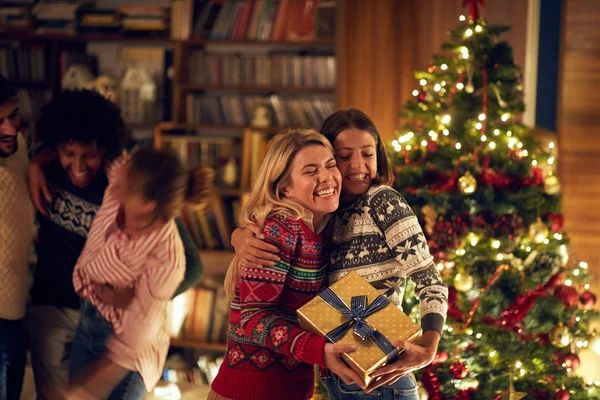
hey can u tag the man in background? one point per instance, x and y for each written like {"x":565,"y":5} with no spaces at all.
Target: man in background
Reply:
{"x":16,"y":234}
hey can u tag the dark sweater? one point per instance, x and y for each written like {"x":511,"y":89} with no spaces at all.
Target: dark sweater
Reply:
{"x":63,"y":232}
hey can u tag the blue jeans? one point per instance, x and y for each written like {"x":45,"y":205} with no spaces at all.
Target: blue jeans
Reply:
{"x":12,"y":358}
{"x":404,"y":388}
{"x":92,"y":332}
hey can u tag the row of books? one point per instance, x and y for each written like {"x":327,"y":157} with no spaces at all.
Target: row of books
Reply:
{"x":216,"y":152}
{"x":256,"y":69}
{"x":31,"y":101}
{"x":206,"y":313}
{"x":68,"y":17}
{"x":23,"y":64}
{"x":304,"y":111}
{"x":277,"y":20}
{"x":211,"y":228}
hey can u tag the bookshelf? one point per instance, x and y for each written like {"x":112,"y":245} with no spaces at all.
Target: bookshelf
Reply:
{"x":293,"y":74}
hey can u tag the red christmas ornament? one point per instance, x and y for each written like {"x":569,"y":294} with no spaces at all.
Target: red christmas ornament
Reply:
{"x":555,"y":281}
{"x":562,"y":395}
{"x":569,"y":360}
{"x":568,"y":294}
{"x":459,"y":370}
{"x":556,"y":221}
{"x":432,"y":147}
{"x":588,"y":299}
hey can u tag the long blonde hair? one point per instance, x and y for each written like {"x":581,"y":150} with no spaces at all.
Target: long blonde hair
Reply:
{"x":266,"y":198}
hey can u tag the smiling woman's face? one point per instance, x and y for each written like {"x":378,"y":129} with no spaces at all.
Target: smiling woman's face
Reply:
{"x":356,"y":156}
{"x":315,"y":181}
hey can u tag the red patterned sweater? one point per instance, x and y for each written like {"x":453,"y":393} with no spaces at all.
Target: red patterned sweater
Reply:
{"x":268,"y":356}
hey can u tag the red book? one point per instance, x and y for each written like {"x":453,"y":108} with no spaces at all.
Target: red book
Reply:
{"x":283,"y":16}
{"x":242,"y":25}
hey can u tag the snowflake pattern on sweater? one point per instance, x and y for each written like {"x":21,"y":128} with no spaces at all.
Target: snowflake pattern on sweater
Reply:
{"x":379,"y":237}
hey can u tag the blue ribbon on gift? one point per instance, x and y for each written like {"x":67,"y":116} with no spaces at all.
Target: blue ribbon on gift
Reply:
{"x":357,"y":314}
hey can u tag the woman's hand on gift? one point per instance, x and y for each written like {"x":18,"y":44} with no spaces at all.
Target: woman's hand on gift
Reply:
{"x":333,"y":361}
{"x":414,"y":357}
{"x":251,"y":249}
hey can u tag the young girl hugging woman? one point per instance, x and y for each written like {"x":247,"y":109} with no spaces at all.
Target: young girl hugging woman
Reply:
{"x":268,"y":356}
{"x":375,"y":233}
{"x":134,"y":243}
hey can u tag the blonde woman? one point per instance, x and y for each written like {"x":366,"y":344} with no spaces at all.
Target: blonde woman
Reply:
{"x":268,"y":355}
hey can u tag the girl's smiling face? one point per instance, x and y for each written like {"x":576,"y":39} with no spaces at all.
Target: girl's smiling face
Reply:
{"x":356,"y":156}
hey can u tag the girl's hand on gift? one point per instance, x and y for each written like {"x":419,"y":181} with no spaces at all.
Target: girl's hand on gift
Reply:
{"x":333,"y":361}
{"x":414,"y":357}
{"x":119,"y":297}
{"x":250,"y":248}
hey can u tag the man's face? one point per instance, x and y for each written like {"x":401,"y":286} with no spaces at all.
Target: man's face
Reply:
{"x":10,"y":122}
{"x":81,"y":162}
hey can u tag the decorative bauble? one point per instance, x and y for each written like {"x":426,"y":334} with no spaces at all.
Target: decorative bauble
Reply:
{"x":551,"y":184}
{"x":562,"y":395}
{"x":423,"y":394}
{"x":569,"y":360}
{"x":459,"y":370}
{"x":467,"y":183}
{"x":463,"y":282}
{"x":538,"y":231}
{"x":560,"y":336}
{"x":568,"y":294}
{"x":430,"y":216}
{"x":469,"y":88}
{"x":588,"y":299}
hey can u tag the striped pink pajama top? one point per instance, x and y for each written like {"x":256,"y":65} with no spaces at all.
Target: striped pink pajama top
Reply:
{"x":154,"y":264}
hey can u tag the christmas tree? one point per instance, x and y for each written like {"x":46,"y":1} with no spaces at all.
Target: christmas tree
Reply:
{"x":484,"y":188}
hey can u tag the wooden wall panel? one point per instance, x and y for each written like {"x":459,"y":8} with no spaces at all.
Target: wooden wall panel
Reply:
{"x":382,"y":42}
{"x":579,"y":129}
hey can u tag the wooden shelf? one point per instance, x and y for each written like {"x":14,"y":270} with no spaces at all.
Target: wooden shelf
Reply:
{"x":28,"y":35}
{"x":314,"y":43}
{"x":31,"y":83}
{"x":138,"y":126}
{"x":216,"y":128}
{"x":259,"y":89}
{"x":32,"y":36}
{"x":198,"y":345}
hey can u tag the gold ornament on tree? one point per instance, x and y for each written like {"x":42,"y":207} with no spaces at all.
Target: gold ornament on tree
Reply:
{"x":538,"y":231}
{"x":463,"y":282}
{"x":551,"y":184}
{"x":430,"y":215}
{"x":560,"y":336}
{"x":467,"y":183}
{"x":511,"y":394}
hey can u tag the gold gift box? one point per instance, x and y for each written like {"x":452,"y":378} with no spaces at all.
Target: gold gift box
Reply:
{"x":319,"y":317}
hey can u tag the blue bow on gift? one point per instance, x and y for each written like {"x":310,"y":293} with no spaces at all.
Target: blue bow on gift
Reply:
{"x":357,"y":314}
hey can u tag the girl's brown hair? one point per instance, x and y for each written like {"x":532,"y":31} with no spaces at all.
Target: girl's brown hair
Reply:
{"x":355,"y":119}
{"x":161,"y":178}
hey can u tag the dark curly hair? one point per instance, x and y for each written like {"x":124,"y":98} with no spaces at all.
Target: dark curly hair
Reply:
{"x":82,"y":116}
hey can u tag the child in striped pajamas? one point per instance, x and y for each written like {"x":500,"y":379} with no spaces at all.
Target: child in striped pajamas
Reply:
{"x":134,"y":243}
